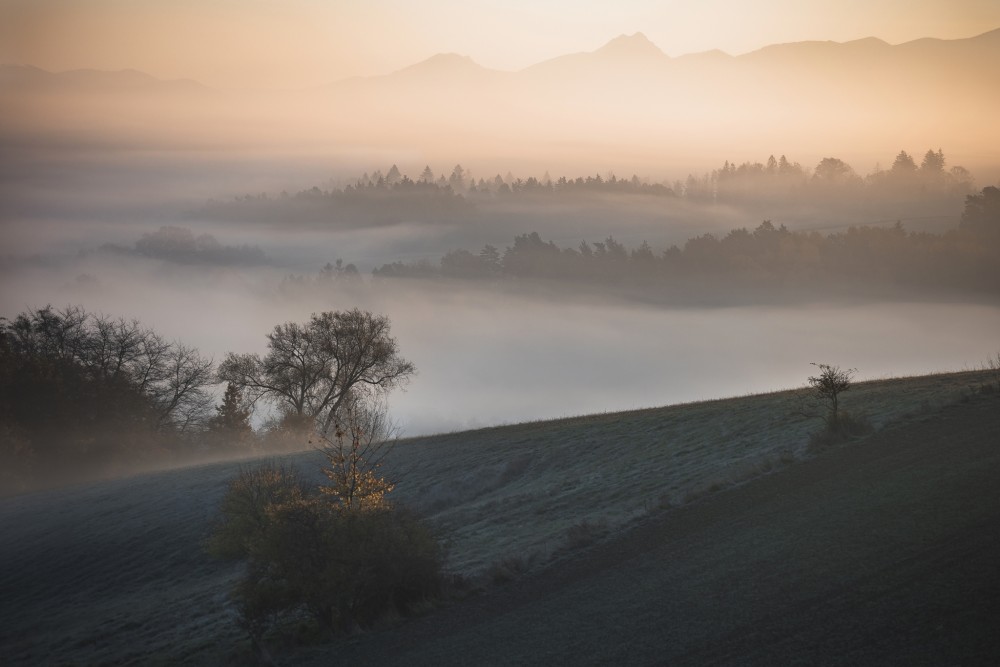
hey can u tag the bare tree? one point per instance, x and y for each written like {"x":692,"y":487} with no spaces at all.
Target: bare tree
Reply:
{"x":50,"y":333}
{"x":81,"y":394}
{"x":151,"y":363}
{"x":172,"y":376}
{"x":180,"y":397}
{"x":310,"y":369}
{"x":116,"y":346}
{"x":828,"y":385}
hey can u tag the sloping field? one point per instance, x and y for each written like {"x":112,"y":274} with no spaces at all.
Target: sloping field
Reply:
{"x":882,"y":552}
{"x":518,"y":490}
{"x":114,"y":573}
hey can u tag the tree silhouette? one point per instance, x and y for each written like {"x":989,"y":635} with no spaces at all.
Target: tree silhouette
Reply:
{"x":393,"y":176}
{"x":933,"y":163}
{"x":81,"y":393}
{"x":457,"y":178}
{"x":310,"y":369}
{"x":833,"y":170}
{"x":982,"y":212}
{"x":231,"y":424}
{"x":828,"y":385}
{"x":903,"y":164}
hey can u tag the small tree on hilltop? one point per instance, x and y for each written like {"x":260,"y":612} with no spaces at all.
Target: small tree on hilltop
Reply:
{"x":828,"y":385}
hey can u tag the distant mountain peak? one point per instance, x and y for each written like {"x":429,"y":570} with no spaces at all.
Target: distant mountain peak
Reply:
{"x":444,"y":62}
{"x":449,"y":58}
{"x":868,"y":41}
{"x":636,"y":45}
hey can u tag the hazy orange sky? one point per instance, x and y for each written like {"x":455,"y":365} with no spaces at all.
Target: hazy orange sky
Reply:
{"x":298,"y":43}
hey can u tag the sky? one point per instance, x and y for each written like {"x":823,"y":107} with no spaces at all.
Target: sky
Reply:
{"x":280,"y":44}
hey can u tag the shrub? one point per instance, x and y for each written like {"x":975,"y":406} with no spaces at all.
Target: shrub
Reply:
{"x":245,"y":507}
{"x":315,"y":558}
{"x":339,"y":569}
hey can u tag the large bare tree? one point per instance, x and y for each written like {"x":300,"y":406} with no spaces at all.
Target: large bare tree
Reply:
{"x":310,"y":369}
{"x":173,"y":377}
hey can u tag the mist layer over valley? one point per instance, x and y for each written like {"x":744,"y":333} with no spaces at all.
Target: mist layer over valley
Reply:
{"x":501,"y":351}
{"x":517,"y":297}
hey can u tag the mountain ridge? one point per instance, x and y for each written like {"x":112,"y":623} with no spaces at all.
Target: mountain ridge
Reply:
{"x":627,"y":48}
{"x":627,"y":98}
{"x":31,"y":77}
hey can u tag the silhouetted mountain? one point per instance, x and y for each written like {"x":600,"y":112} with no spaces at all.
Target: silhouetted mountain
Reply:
{"x":811,"y":50}
{"x":443,"y":65}
{"x":631,"y":47}
{"x":26,"y":78}
{"x":781,"y":73}
{"x":625,"y":53}
{"x":422,"y":83}
{"x":627,"y":98}
{"x":965,"y":57}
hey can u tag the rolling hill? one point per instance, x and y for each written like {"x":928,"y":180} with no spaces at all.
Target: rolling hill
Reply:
{"x":728,"y":523}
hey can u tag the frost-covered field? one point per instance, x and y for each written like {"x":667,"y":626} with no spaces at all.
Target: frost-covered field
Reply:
{"x":114,"y":572}
{"x":516,"y":491}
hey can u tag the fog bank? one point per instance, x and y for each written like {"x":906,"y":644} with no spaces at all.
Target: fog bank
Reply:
{"x":488,"y":356}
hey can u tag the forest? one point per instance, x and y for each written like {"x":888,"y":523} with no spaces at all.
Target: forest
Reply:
{"x":85,"y":394}
{"x":392,"y":197}
{"x":765,"y":263}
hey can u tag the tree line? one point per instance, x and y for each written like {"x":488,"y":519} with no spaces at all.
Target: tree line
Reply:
{"x":830,"y":179}
{"x":730,"y":182}
{"x":181,"y":245}
{"x":84,"y":395}
{"x":766,"y":259}
{"x":391,"y":197}
{"x":359,"y":205}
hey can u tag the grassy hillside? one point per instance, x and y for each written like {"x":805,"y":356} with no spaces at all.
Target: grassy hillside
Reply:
{"x":519,"y":490}
{"x":113,"y":572}
{"x":880,"y":552}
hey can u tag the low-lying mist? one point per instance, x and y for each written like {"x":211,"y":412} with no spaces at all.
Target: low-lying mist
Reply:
{"x":73,"y":226}
{"x":501,"y":354}
{"x":70,"y":198}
